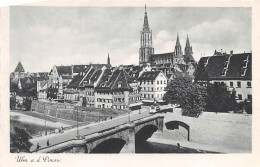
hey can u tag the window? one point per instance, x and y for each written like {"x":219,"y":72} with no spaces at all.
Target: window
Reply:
{"x":249,"y":97}
{"x":157,"y":88}
{"x":161,"y":81}
{"x":158,"y":82}
{"x":140,"y":82}
{"x":152,"y":96}
{"x":249,"y":84}
{"x":239,"y":97}
{"x":151,"y":81}
{"x":239,"y":84}
{"x":152,"y":89}
{"x":231,"y":84}
{"x":165,"y":82}
{"x":148,"y":96}
{"x":144,"y":95}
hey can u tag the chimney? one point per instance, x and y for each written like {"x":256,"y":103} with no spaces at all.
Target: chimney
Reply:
{"x":221,"y":51}
{"x":231,"y":52}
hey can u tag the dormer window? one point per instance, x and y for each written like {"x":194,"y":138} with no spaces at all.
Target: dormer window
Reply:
{"x":119,"y":84}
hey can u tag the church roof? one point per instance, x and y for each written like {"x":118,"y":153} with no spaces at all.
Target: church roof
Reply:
{"x":19,"y":68}
{"x":239,"y":66}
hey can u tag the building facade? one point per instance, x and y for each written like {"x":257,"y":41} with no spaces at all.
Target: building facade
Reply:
{"x":234,"y":70}
{"x":153,"y":84}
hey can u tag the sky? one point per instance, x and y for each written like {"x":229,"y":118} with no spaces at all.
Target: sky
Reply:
{"x":41,"y":37}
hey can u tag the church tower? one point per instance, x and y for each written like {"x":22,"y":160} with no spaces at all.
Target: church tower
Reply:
{"x":188,"y":48}
{"x":146,"y":41}
{"x":108,"y":60}
{"x":177,"y":50}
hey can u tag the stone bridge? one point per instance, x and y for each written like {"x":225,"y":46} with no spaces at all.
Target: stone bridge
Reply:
{"x":111,"y":140}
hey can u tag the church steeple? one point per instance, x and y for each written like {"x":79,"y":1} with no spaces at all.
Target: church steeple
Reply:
{"x":177,"y":50}
{"x":177,"y":41}
{"x":188,"y":51}
{"x":187,"y":41}
{"x":146,"y":24}
{"x":19,"y":68}
{"x":146,"y":48}
{"x":108,"y":60}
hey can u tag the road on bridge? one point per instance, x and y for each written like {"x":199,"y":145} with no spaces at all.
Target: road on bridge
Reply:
{"x":87,"y":129}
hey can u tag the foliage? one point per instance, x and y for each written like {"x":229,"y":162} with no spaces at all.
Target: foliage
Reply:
{"x":219,"y":99}
{"x":27,"y":104}
{"x":245,"y":106}
{"x":12,"y":102}
{"x":190,"y":96}
{"x":20,"y":140}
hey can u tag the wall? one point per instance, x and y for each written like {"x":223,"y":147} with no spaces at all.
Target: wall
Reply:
{"x":216,"y":129}
{"x":244,"y":90}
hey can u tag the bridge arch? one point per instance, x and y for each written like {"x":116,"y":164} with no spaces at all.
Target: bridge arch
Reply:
{"x":111,"y":145}
{"x":145,"y":132}
{"x":172,"y":125}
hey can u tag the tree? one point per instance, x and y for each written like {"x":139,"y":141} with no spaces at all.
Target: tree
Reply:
{"x":27,"y":104}
{"x":190,"y":96}
{"x":20,"y":140}
{"x":12,"y":102}
{"x":219,"y":99}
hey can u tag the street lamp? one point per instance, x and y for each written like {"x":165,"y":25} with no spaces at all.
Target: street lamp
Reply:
{"x":128,"y":114}
{"x":77,"y":107}
{"x":77,"y":123}
{"x":45,"y":121}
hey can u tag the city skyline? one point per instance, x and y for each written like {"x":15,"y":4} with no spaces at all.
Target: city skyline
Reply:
{"x":45,"y":36}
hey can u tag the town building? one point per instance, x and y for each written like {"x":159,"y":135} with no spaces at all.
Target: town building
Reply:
{"x":117,"y":90}
{"x":234,"y":70}
{"x":153,"y":84}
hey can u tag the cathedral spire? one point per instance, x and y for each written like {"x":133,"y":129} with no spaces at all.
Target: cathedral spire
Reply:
{"x":146,"y":41}
{"x":146,"y":25}
{"x":187,"y":41}
{"x":177,"y":41}
{"x":177,"y":50}
{"x":108,"y":59}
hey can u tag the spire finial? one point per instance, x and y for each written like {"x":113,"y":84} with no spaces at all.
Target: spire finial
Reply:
{"x":145,"y":8}
{"x":177,"y":42}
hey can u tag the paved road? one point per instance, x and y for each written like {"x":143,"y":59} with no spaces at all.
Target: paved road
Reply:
{"x":88,"y":129}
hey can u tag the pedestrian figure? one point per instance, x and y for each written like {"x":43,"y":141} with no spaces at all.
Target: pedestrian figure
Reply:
{"x":61,"y":129}
{"x":48,"y":143}
{"x":38,"y":146}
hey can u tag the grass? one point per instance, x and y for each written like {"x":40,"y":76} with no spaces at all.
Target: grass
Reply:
{"x":33,"y":129}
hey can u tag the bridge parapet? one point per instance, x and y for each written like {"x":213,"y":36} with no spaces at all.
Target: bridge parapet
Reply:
{"x":117,"y":137}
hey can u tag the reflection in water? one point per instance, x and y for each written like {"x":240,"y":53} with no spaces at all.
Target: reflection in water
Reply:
{"x":151,"y":147}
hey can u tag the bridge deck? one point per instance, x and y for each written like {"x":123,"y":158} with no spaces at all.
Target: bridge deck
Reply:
{"x":87,"y":130}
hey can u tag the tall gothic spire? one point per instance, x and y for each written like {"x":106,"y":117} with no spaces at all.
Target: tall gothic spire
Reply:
{"x":187,"y":41}
{"x":177,"y":41}
{"x":108,"y":59}
{"x":146,"y":24}
{"x":146,"y":41}
{"x":177,"y":50}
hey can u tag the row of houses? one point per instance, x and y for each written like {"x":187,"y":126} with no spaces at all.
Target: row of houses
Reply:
{"x":112,"y":87}
{"x":104,"y":86}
